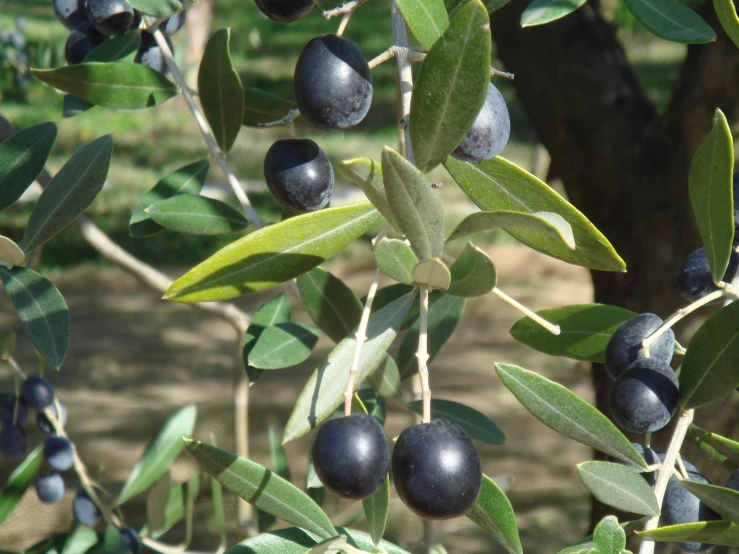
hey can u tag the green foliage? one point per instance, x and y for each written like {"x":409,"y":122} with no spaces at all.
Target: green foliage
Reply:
{"x":609,"y":537}
{"x":272,"y":312}
{"x":261,"y":106}
{"x":477,"y":425}
{"x":726,"y":13}
{"x":117,"y":49}
{"x":367,"y":174}
{"x":283,"y":345}
{"x":427,"y":19}
{"x":713,"y":442}
{"x":19,"y":481}
{"x":540,"y":12}
{"x":671,"y":20}
{"x":723,"y":501}
{"x":709,"y":532}
{"x":494,"y":514}
{"x":396,"y":260}
{"x":376,"y":508}
{"x":546,"y":222}
{"x":196,"y":215}
{"x":159,"y":8}
{"x":472,"y":273}
{"x":619,"y":486}
{"x":330,"y":303}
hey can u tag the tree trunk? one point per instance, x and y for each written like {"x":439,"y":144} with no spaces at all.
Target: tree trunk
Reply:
{"x":624,"y":165}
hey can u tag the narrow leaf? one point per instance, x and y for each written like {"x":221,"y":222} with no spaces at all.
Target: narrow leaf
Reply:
{"x":619,"y":486}
{"x":726,"y":13}
{"x":161,"y":8}
{"x":367,"y":174}
{"x":160,"y":453}
{"x":19,"y":481}
{"x":193,"y":487}
{"x":186,"y":180}
{"x":540,"y":12}
{"x":710,"y":183}
{"x":262,"y":488}
{"x":116,"y":49}
{"x":723,"y":445}
{"x":451,"y":88}
{"x":671,"y":20}
{"x":395,"y":259}
{"x":42,"y":310}
{"x":550,"y":223}
{"x":324,"y":391}
{"x":585,"y":330}
{"x":221,"y":93}
{"x":157,"y":500}
{"x":22,"y":158}
{"x":723,"y":533}
{"x":280,"y":467}
{"x":330,"y":303}
{"x":284,"y":345}
{"x":272,"y":312}
{"x":721,"y":500}
{"x":476,"y":424}
{"x":710,"y":370}
{"x":196,"y":215}
{"x":498,"y":184}
{"x":69,"y":193}
{"x":473,"y":273}
{"x":261,"y":106}
{"x":416,"y":206}
{"x":274,"y":254}
{"x":558,"y":408}
{"x":376,"y":508}
{"x":427,"y":19}
{"x":386,"y":378}
{"x":218,"y":511}
{"x":112,"y":85}
{"x":494,"y":514}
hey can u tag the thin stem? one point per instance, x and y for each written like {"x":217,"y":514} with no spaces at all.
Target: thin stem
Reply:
{"x":423,"y":355}
{"x":344,"y":22}
{"x":677,"y":316}
{"x":648,"y":440}
{"x":405,"y":76}
{"x":681,"y":467}
{"x":360,"y":337}
{"x":202,"y":124}
{"x":665,"y":472}
{"x":498,"y":73}
{"x":16,"y":368}
{"x":344,"y":9}
{"x":387,"y":55}
{"x":291,"y":116}
{"x":554,"y":329}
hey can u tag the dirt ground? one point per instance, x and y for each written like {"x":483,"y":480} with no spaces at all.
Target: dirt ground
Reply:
{"x":133,"y":360}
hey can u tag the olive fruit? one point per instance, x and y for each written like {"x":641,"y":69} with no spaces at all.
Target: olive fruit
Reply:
{"x":71,"y":13}
{"x":59,"y":453}
{"x":37,"y":392}
{"x":110,"y":17}
{"x":285,"y":11}
{"x":80,"y":43}
{"x":150,"y":55}
{"x":84,"y":510}
{"x":8,"y":411}
{"x":13,"y":442}
{"x":694,"y":279}
{"x":49,"y":488}
{"x":625,"y":345}
{"x":489,"y":133}
{"x":680,"y":506}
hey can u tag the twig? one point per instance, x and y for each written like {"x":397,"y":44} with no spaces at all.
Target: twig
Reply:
{"x":423,"y":355}
{"x":197,"y":114}
{"x":665,"y":472}
{"x":387,"y":55}
{"x":349,"y":7}
{"x":554,"y":329}
{"x":498,"y":73}
{"x":291,"y":116}
{"x":405,"y":78}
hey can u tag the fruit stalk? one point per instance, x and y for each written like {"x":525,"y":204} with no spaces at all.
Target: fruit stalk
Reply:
{"x":423,"y":355}
{"x":197,"y":114}
{"x":665,"y":472}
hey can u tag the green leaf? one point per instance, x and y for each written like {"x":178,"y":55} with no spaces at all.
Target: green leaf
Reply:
{"x":540,"y":12}
{"x":609,"y":537}
{"x":445,"y":311}
{"x":427,"y":19}
{"x":196,"y":215}
{"x":671,"y":20}
{"x":69,"y":193}
{"x":186,"y":180}
{"x":546,"y":222}
{"x":386,"y":378}
{"x":331,"y":304}
{"x":324,"y":391}
{"x":164,"y":506}
{"x":298,"y":541}
{"x":79,"y":541}
{"x":284,"y":345}
{"x":116,"y":49}
{"x":724,"y":446}
{"x":451,"y":88}
{"x":161,"y":8}
{"x":395,"y":259}
{"x":494,"y":514}
{"x":42,"y":310}
{"x":562,"y":410}
{"x":221,"y":93}
{"x":498,"y":184}
{"x":710,"y":532}
{"x":280,"y":467}
{"x":160,"y":453}
{"x":193,"y":487}
{"x":272,"y":312}
{"x":473,"y":273}
{"x":710,"y":182}
{"x":726,"y":13}
{"x":367,"y":174}
{"x":416,"y":206}
{"x":376,"y":508}
{"x":721,"y":500}
{"x":113,"y":542}
{"x":19,"y":481}
{"x":274,"y":254}
{"x":73,"y":106}
{"x":476,"y":424}
{"x":218,"y":511}
{"x":22,"y":158}
{"x":619,"y":486}
{"x":587,"y":543}
{"x":7,"y":344}
{"x":261,"y":106}
{"x":262,"y":488}
{"x":710,"y":370}
{"x":585,"y":330}
{"x":432,"y":274}
{"x":112,"y":85}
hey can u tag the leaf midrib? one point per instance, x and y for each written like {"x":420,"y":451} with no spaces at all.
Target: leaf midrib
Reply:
{"x":637,"y":500}
{"x":102,"y":84}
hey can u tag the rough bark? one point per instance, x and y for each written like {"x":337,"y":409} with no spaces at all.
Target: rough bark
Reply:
{"x":622,"y":163}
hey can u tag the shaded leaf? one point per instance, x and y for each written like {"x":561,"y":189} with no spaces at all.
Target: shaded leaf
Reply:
{"x":19,"y":481}
{"x":726,"y":13}
{"x":160,"y":453}
{"x":284,"y":345}
{"x":193,"y":487}
{"x":547,"y":222}
{"x":540,"y":12}
{"x":719,"y":499}
{"x":432,"y":274}
{"x":710,"y":370}
{"x":69,"y":193}
{"x":186,"y":180}
{"x":164,"y":505}
{"x":619,"y":486}
{"x":671,"y":20}
{"x":585,"y":330}
{"x":710,"y":532}
{"x":196,"y":215}
{"x":280,"y":467}
{"x":562,"y":410}
{"x":494,"y":514}
{"x":22,"y":158}
{"x":416,"y":206}
{"x":262,"y":488}
{"x":386,"y":378}
{"x":395,"y":259}
{"x":261,"y":106}
{"x":274,"y":311}
{"x":116,"y":49}
{"x":451,"y":88}
{"x":113,"y":542}
{"x":160,"y":8}
{"x":473,"y":273}
{"x":217,"y":495}
{"x":376,"y":508}
{"x":367,"y":174}
{"x":221,"y":93}
{"x":330,"y":303}
{"x":477,"y":425}
{"x":723,"y":445}
{"x":73,"y":106}
{"x":324,"y":391}
{"x":43,"y":311}
{"x":11,"y":254}
{"x":427,"y":19}
{"x":112,"y":85}
{"x":274,"y":254}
